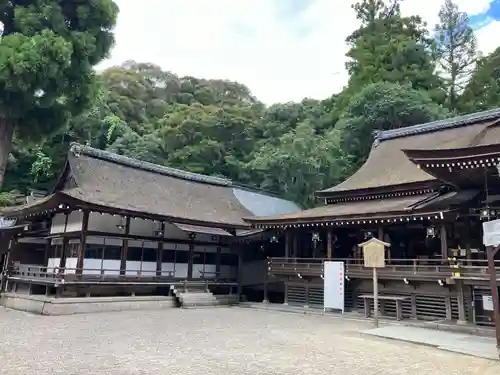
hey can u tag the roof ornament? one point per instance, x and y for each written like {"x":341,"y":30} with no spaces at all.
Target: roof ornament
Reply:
{"x":376,"y":137}
{"x":75,"y":149}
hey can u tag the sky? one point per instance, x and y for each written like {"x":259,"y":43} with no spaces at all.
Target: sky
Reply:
{"x":283,"y":50}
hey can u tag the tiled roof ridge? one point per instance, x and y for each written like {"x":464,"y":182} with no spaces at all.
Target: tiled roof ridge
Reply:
{"x":78,"y":149}
{"x":449,"y":123}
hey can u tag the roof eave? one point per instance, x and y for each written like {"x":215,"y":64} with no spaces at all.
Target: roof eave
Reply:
{"x":360,"y":219}
{"x":390,"y":189}
{"x":82,"y":204}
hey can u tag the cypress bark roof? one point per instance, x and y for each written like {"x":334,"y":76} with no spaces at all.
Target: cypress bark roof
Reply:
{"x":388,"y":166}
{"x":354,"y":210}
{"x":104,"y":179}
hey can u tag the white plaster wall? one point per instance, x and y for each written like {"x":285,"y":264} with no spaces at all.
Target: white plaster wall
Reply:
{"x":92,"y":266}
{"x":57,"y":225}
{"x":181,"y":270}
{"x":105,"y":222}
{"x":53,"y":265}
{"x":140,"y":227}
{"x":75,"y":219}
{"x":112,"y":266}
{"x":137,"y":268}
{"x":199,"y":268}
{"x":71,"y":263}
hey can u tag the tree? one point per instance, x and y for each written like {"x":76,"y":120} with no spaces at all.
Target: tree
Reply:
{"x":301,"y":163}
{"x":482,"y":90}
{"x":382,"y":106}
{"x":389,"y":47}
{"x":47,"y":52}
{"x":456,"y":50}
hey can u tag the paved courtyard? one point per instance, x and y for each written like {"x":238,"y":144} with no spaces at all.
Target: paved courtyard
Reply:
{"x":213,"y":341}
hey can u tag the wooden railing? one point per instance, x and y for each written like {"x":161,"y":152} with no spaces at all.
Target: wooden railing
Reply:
{"x":69,"y":274}
{"x":398,"y":268}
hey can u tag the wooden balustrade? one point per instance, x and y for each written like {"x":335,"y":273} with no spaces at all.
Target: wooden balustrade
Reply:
{"x":395,"y":268}
{"x":72,"y":274}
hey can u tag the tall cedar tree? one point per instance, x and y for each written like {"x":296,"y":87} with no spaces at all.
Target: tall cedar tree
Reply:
{"x":389,"y":47}
{"x":456,"y":50}
{"x":47,"y":52}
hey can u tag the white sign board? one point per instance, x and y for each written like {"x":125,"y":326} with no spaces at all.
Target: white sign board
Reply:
{"x":333,"y":297}
{"x":488,"y":303}
{"x":491,"y":233}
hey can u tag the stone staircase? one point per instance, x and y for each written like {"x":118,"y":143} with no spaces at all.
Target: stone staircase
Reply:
{"x":189,"y":296}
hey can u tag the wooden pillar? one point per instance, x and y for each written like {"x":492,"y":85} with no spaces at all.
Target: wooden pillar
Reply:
{"x":468,"y":253}
{"x":266,"y":280}
{"x":285,"y":296}
{"x":414,"y":306}
{"x":83,"y":239}
{"x":448,"y":308}
{"x":159,"y":250}
{"x":295,"y":246}
{"x":329,"y":243}
{"x":380,"y":236}
{"x":190,"y":261}
{"x":288,"y":243}
{"x":444,"y":242}
{"x":62,"y":260}
{"x":123,"y":257}
{"x":46,"y":252}
{"x":217,"y":261}
{"x":462,"y":318}
{"x":240,"y":272}
{"x":4,"y":284}
{"x":491,"y":251}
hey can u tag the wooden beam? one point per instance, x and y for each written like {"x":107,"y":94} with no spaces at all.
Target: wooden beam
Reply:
{"x":93,"y":233}
{"x":83,"y":239}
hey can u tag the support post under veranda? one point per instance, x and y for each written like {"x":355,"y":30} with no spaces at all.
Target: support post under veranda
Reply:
{"x":6,"y":136}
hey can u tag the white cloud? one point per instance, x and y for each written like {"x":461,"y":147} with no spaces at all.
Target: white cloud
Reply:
{"x":251,"y":42}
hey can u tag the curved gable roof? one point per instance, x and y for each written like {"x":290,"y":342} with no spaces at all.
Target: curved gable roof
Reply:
{"x":113,"y":180}
{"x":387,"y":164}
{"x":104,"y":179}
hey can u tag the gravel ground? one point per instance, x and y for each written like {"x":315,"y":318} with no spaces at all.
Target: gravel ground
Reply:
{"x":230,"y":341}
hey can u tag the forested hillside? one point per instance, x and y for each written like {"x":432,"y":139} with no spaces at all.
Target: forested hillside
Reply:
{"x":401,"y":73}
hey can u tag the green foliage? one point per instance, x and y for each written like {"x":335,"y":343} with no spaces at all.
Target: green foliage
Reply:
{"x":217,"y":127}
{"x":392,"y":48}
{"x":7,"y":199}
{"x":482,"y":91}
{"x":382,"y":106}
{"x":455,"y":49}
{"x":47,"y":52}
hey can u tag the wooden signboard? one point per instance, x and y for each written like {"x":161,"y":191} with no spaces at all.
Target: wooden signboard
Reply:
{"x":374,"y":252}
{"x":374,"y":256}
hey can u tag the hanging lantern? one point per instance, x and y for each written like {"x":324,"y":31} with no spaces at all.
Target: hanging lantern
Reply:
{"x":431,"y":232}
{"x":315,"y":237}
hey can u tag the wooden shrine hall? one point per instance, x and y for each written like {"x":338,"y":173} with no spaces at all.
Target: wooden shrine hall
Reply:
{"x":425,"y":190}
{"x":115,"y":225}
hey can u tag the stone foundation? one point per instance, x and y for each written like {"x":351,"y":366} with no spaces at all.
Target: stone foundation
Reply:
{"x":44,"y":305}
